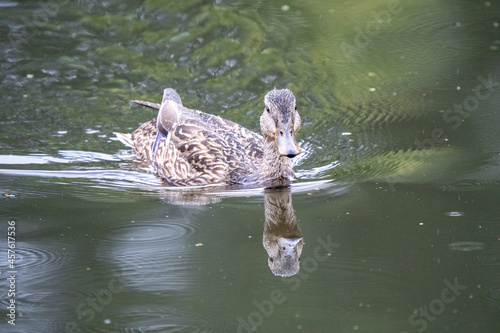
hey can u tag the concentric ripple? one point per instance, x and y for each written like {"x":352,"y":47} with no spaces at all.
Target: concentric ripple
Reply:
{"x":159,"y":319}
{"x":466,"y":246}
{"x":463,"y":185}
{"x":32,"y":255}
{"x":148,"y":232}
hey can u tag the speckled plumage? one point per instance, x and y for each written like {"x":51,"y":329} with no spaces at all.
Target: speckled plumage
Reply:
{"x":189,"y":147}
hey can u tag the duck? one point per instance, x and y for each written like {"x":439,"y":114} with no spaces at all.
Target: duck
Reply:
{"x":187,"y":147}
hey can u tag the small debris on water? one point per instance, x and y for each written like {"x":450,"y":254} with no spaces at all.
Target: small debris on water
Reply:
{"x":454,"y":214}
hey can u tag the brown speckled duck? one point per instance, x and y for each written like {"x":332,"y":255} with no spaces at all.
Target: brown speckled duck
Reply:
{"x":189,"y":147}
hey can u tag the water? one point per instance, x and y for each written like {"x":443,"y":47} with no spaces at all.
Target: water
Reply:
{"x":397,"y":188}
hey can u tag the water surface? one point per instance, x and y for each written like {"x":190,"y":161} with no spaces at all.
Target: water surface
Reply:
{"x":397,"y":188}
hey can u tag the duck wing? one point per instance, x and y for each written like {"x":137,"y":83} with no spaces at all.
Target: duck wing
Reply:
{"x":195,"y":148}
{"x":190,"y":147}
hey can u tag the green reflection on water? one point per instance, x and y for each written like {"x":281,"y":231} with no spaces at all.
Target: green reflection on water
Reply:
{"x":377,"y":68}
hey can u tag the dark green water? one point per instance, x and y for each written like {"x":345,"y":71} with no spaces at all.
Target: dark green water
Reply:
{"x":397,"y":192}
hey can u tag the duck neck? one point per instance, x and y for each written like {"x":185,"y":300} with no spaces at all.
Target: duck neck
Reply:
{"x":274,"y":166}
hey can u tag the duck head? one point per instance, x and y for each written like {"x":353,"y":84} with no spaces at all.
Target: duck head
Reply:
{"x":280,"y":121}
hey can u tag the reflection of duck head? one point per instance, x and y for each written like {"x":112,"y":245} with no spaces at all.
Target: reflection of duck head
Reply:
{"x":282,"y":237}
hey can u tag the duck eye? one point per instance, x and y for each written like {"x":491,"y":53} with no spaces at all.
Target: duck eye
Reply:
{"x":295,"y":107}
{"x":267,"y":109}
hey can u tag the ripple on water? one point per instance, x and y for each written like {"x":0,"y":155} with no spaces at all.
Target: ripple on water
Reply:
{"x":157,"y":255}
{"x":64,"y":156}
{"x":466,"y":246}
{"x":44,"y":307}
{"x":148,"y":231}
{"x":74,"y":156}
{"x":161,"y":318}
{"x":43,"y":260}
{"x":30,"y":159}
{"x":454,"y":214}
{"x":35,"y":255}
{"x":462,"y":185}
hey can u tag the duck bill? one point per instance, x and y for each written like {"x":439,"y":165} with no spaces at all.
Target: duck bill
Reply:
{"x":287,"y":145}
{"x":288,"y":245}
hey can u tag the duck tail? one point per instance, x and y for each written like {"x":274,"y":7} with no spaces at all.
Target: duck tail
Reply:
{"x":144,"y":103}
{"x":126,"y":139}
{"x":169,"y":94}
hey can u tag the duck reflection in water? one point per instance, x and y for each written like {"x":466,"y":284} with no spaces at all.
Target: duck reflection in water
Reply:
{"x":282,"y":237}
